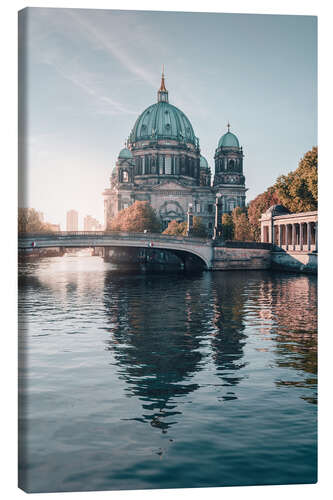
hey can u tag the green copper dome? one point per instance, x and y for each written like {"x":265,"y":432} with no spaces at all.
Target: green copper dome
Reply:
{"x":228,"y":140}
{"x":125,"y":154}
{"x":203,"y":162}
{"x":163,"y":121}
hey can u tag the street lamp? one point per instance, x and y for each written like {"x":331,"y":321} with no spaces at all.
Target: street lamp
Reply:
{"x":218,"y":217}
{"x":189,"y":219}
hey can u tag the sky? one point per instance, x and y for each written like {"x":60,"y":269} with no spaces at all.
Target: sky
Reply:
{"x":86,"y":75}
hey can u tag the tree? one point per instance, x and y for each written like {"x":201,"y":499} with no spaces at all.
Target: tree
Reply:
{"x":29,"y":222}
{"x":176,"y":228}
{"x":199,"y":229}
{"x":242,"y":226}
{"x":298,"y":190}
{"x":227,"y":227}
{"x":180,"y":228}
{"x":258,"y":206}
{"x":135,"y":219}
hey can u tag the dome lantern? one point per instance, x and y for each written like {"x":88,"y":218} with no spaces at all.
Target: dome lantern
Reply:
{"x":162,"y":94}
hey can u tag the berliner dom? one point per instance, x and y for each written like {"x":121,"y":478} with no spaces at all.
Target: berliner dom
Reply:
{"x":161,"y":163}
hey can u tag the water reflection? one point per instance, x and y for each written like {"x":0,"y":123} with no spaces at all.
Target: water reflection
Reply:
{"x":122,"y":368}
{"x":229,"y":338}
{"x":289,"y":307}
{"x":157,"y":361}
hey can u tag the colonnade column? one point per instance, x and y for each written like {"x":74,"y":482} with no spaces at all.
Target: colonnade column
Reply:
{"x":301,"y":227}
{"x":308,"y":233}
{"x":279,"y":235}
{"x":293,"y":236}
{"x":316,"y":236}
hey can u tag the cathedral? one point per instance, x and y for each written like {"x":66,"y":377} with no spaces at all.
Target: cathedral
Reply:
{"x":162,"y":164}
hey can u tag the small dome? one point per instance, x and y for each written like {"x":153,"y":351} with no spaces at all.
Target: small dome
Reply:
{"x":277,"y":210}
{"x":125,"y":154}
{"x":203,"y":162}
{"x":228,"y":140}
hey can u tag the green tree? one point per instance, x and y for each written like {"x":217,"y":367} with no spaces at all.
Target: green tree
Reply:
{"x":298,"y":191}
{"x":135,"y":219}
{"x":227,"y":227}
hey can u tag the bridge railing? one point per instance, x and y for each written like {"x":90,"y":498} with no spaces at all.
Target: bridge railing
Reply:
{"x":103,"y":234}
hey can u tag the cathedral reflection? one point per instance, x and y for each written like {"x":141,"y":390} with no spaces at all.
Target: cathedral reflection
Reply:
{"x":161,"y":341}
{"x":228,"y":339}
{"x":155,"y":355}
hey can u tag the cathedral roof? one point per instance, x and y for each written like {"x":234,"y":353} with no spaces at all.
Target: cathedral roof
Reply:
{"x":203,"y":162}
{"x":228,"y":140}
{"x":125,"y":154}
{"x":162,"y":120}
{"x":277,"y":210}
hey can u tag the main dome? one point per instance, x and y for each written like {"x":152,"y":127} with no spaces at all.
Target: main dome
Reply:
{"x":162,"y":120}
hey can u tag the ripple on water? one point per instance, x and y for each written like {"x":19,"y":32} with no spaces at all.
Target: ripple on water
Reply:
{"x":159,"y":381}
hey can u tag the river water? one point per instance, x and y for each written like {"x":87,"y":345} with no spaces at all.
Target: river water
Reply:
{"x":131,"y":381}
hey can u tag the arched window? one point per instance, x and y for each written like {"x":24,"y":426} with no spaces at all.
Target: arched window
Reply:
{"x":124,"y":176}
{"x":231,"y":164}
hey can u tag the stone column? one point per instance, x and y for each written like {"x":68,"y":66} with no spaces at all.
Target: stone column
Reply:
{"x":308,"y":234}
{"x":316,"y":236}
{"x":271,"y":232}
{"x":293,"y":236}
{"x":218,"y":217}
{"x":279,"y":235}
{"x":189,"y":219}
{"x":301,"y":236}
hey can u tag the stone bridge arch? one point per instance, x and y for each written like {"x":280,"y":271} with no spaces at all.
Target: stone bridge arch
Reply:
{"x":201,"y":248}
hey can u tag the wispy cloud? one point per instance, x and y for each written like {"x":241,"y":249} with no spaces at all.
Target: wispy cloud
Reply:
{"x":112,"y":46}
{"x":84,"y":80}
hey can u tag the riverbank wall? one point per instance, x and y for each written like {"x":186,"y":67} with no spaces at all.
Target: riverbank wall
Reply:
{"x":302,"y":262}
{"x":233,"y":255}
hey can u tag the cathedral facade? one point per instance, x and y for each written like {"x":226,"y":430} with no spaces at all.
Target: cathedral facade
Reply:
{"x":162,"y":164}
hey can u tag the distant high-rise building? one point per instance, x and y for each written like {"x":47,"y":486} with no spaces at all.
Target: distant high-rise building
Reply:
{"x":91,"y":224}
{"x":72,"y":220}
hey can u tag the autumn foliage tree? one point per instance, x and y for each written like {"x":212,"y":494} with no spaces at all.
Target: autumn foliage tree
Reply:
{"x":298,"y":191}
{"x":29,"y":221}
{"x":242,"y":227}
{"x":180,"y":228}
{"x":258,"y":206}
{"x":135,"y":219}
{"x":176,"y":228}
{"x":227,"y":227}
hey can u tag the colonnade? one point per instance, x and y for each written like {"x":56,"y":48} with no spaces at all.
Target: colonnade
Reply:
{"x":292,"y":232}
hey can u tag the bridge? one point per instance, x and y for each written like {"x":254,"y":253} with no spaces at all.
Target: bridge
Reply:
{"x":181,"y":246}
{"x":212,"y":254}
